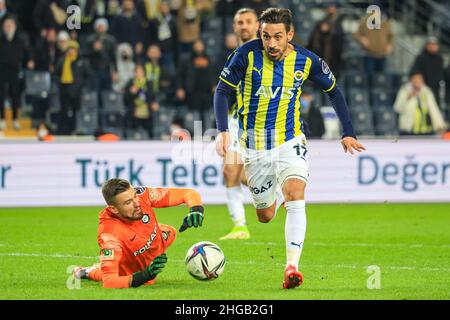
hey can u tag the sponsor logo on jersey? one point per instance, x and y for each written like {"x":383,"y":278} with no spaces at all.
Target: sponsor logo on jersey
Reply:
{"x":263,"y":189}
{"x":148,"y":244}
{"x":274,"y":92}
{"x":225,"y":72}
{"x":107,"y":254}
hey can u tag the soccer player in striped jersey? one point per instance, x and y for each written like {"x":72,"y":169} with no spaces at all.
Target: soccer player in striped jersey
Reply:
{"x":245,"y":26}
{"x":270,"y":73}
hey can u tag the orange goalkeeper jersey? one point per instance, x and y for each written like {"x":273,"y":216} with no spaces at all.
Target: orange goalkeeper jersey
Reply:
{"x":130,"y":246}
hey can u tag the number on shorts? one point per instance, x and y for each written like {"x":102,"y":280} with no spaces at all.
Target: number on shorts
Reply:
{"x":299,"y":149}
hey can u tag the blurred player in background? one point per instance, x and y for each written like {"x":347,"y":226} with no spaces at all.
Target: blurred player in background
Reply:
{"x":246,"y":27}
{"x":132,"y":242}
{"x":269,"y":73}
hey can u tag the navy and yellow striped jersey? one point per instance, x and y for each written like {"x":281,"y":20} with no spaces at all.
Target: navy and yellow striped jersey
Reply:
{"x":269,"y":92}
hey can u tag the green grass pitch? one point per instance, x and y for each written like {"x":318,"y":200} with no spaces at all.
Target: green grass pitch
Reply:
{"x":410,"y":243}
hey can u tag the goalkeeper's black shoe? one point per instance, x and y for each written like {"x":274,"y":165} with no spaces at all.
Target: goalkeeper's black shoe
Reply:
{"x":83,"y":272}
{"x":80,"y":273}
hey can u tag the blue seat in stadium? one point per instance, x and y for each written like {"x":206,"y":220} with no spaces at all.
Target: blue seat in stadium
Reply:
{"x":398,"y":80}
{"x":138,"y":134}
{"x":113,"y":120}
{"x":87,"y":122}
{"x":320,"y":98}
{"x":382,"y":98}
{"x":214,"y":24}
{"x":51,"y":117}
{"x":306,"y":26}
{"x":89,"y":101}
{"x":190,"y":119}
{"x":37,"y":83}
{"x":381,"y":81}
{"x":362,"y":119}
{"x":355,"y":64}
{"x":162,"y":120}
{"x":385,"y":120}
{"x":113,"y":101}
{"x":358,"y":97}
{"x":210,"y":119}
{"x":356,"y":80}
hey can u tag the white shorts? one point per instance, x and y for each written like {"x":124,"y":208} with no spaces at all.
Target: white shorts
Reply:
{"x":267,"y":170}
{"x":233,"y":127}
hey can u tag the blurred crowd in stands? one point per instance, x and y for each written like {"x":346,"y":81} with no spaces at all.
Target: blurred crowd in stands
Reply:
{"x":147,"y":68}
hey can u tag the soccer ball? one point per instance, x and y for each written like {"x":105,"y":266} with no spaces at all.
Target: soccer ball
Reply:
{"x":205,"y":261}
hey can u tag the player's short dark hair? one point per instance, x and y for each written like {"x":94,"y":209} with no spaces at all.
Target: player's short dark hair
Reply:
{"x":277,"y":15}
{"x":245,"y":10}
{"x":112,"y":188}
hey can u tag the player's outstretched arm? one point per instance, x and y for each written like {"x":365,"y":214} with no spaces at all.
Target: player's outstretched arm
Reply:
{"x":171,"y":197}
{"x":150,"y":272}
{"x":193,"y":219}
{"x":321,"y":74}
{"x":349,"y":142}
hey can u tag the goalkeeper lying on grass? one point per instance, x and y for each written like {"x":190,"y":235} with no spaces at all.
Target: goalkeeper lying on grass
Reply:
{"x":132,"y":242}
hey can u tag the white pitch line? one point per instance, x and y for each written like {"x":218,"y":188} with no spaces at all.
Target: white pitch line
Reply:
{"x":43,"y":255}
{"x":250,"y":262}
{"x":355,"y":244}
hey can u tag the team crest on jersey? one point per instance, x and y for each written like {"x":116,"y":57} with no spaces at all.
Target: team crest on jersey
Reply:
{"x":325,"y":67}
{"x":145,"y":219}
{"x":139,"y":190}
{"x":298,"y":75}
{"x":165,"y":235}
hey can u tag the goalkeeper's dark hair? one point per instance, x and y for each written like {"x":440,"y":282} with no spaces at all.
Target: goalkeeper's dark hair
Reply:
{"x":277,"y":15}
{"x":112,"y":188}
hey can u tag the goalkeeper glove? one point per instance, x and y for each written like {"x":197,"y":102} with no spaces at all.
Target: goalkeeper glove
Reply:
{"x":193,"y":219}
{"x":150,"y":272}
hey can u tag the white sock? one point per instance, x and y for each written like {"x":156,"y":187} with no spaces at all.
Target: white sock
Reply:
{"x":235,"y":204}
{"x":294,"y":231}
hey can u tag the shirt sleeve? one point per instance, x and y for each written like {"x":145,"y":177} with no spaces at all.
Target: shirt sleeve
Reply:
{"x":170,"y":197}
{"x":234,"y":69}
{"x":110,"y":256}
{"x":321,"y":74}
